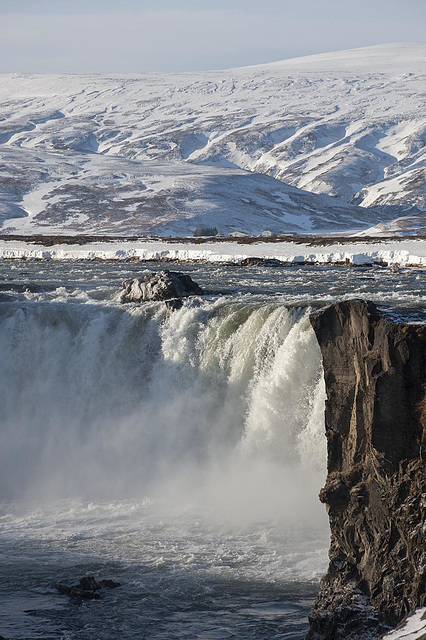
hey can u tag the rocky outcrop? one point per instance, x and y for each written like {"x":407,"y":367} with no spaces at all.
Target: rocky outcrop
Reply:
{"x":375,"y":493}
{"x":261,"y":262}
{"x":88,"y":588}
{"x":169,"y":286}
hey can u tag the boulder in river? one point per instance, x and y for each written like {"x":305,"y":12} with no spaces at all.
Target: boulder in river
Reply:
{"x":261,"y":262}
{"x":170,"y":286}
{"x":87,"y":588}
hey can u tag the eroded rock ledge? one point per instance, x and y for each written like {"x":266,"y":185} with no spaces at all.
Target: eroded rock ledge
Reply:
{"x":375,"y":493}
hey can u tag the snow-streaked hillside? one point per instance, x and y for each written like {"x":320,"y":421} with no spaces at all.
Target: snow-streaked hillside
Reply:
{"x":246,"y":149}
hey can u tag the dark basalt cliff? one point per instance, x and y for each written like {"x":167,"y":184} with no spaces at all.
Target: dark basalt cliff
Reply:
{"x":375,"y":493}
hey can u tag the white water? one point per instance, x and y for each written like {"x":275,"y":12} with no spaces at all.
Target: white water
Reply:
{"x":180,"y":453}
{"x":220,"y":402}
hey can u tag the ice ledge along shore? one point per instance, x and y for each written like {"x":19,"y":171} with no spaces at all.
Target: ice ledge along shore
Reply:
{"x":404,"y":253}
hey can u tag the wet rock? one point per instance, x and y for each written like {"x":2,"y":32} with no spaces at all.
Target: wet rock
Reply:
{"x":170,"y":286}
{"x":174,"y":304}
{"x":261,"y":262}
{"x":86,"y":589}
{"x":109,"y":584}
{"x":77,"y":593}
{"x":375,"y":375}
{"x":88,"y":583}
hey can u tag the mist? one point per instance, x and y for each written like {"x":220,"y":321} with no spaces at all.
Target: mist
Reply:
{"x":218,"y":405}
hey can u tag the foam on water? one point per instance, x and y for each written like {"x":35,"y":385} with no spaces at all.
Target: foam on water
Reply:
{"x":105,"y":401}
{"x":179,"y":453}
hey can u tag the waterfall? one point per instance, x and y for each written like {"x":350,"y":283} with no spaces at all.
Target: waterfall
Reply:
{"x":222,"y":399}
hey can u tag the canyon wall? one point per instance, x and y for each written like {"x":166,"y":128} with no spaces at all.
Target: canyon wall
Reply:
{"x":375,"y":492}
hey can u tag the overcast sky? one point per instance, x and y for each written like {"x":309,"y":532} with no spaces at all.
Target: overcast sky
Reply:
{"x":126,"y":36}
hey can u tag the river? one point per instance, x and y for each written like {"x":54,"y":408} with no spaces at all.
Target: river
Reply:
{"x":178,"y":453}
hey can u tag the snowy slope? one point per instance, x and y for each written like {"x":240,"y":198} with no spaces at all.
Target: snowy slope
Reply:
{"x":246,"y":149}
{"x":414,"y":628}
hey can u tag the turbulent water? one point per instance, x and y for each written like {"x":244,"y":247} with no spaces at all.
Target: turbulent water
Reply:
{"x":178,"y":453}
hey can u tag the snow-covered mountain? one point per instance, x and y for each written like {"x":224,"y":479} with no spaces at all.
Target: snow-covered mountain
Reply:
{"x":327,"y":142}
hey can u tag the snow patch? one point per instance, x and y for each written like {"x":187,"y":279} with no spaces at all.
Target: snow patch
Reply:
{"x":414,"y":628}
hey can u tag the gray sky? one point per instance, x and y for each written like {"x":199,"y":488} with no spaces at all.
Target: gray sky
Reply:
{"x":126,"y":36}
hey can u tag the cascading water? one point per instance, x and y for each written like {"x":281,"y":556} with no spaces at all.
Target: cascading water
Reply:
{"x":178,"y":453}
{"x":110,"y":402}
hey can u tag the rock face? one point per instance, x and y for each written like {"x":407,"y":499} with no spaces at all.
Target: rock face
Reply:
{"x":169,"y":286}
{"x":375,"y":493}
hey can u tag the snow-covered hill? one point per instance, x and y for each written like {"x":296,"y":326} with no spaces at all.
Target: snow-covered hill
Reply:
{"x":327,"y":142}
